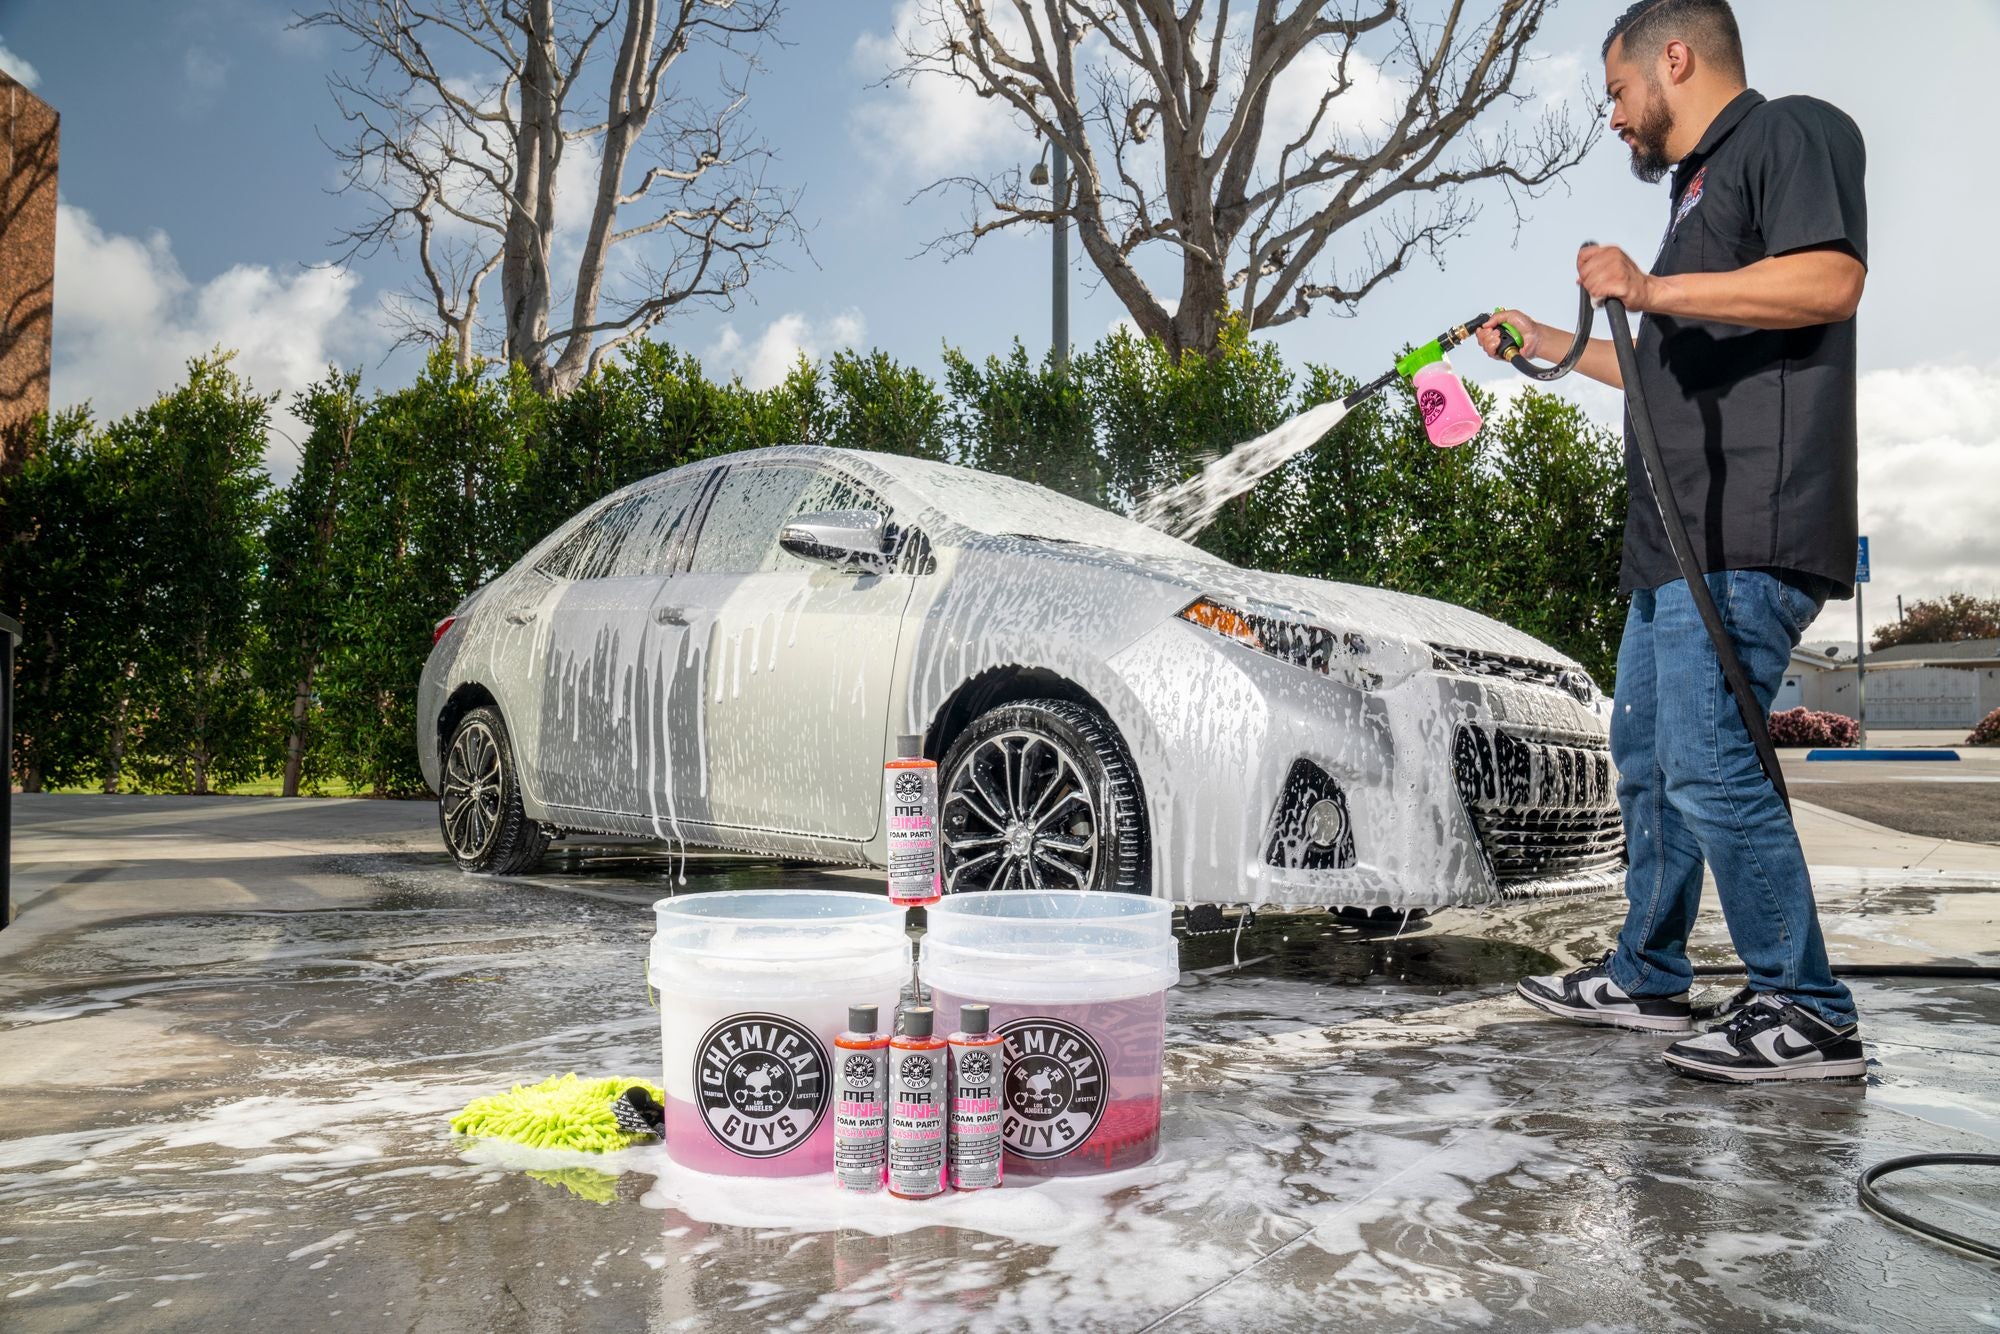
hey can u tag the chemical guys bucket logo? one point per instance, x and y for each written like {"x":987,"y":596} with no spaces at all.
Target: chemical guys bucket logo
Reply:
{"x":762,"y":1083}
{"x":1055,"y":1087}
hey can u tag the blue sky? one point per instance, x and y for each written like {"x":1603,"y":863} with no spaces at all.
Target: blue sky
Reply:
{"x":197,"y":209}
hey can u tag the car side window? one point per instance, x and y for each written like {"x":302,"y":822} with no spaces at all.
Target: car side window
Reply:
{"x":652,"y":543}
{"x":740,"y":534}
{"x":587,"y":553}
{"x":632,"y":535}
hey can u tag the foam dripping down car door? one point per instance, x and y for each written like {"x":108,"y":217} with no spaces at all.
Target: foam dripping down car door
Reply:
{"x":796,"y":660}
{"x":608,"y":658}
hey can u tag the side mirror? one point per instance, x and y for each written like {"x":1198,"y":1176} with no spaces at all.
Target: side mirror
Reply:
{"x":844,"y":539}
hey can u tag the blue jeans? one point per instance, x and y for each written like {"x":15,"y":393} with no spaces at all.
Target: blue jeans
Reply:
{"x":1692,"y":792}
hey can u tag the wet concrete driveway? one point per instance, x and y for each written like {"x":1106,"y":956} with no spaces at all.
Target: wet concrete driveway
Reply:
{"x":232,"y":1116}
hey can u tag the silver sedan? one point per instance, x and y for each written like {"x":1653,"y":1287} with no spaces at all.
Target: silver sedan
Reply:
{"x":725,"y":655}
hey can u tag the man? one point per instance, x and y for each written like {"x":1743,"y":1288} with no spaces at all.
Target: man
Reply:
{"x":1747,"y":353}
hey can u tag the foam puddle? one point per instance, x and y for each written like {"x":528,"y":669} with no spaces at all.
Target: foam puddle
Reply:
{"x":1047,"y":1213}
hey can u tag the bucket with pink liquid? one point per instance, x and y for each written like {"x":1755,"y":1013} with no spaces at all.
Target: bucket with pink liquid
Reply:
{"x":753,"y":988}
{"x":1077,"y":983}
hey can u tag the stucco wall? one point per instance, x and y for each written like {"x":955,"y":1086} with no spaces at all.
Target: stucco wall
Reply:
{"x":1902,"y":695}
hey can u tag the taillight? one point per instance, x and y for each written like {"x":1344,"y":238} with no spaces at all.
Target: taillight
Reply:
{"x":442,"y":626}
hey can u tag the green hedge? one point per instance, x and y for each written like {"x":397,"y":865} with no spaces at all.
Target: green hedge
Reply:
{"x":191,"y":627}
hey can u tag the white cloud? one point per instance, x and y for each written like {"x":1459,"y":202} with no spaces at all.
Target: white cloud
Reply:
{"x":1363,"y":113}
{"x":1930,"y":481}
{"x":934,"y":123}
{"x":1565,"y":81}
{"x":128,"y":320}
{"x":766,"y":359}
{"x":205,"y":72}
{"x":23,"y":72}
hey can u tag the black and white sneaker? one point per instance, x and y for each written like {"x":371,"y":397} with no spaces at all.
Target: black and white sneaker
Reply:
{"x":1772,"y":1038}
{"x":1718,"y":1014}
{"x":1589,"y":996}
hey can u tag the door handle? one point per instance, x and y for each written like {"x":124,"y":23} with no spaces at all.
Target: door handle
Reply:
{"x":519,"y":617}
{"x":670,"y":615}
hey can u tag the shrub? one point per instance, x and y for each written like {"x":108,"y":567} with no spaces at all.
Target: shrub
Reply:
{"x":1810,"y":727}
{"x":1988,"y":731}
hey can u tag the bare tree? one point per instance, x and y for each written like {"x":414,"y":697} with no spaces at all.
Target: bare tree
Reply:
{"x":1166,"y":110}
{"x":462,"y":116}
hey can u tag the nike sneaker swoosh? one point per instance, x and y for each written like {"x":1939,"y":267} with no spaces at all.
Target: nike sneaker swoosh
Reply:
{"x":1786,"y":1051}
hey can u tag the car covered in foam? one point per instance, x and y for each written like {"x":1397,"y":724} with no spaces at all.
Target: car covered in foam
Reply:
{"x":725,"y":655}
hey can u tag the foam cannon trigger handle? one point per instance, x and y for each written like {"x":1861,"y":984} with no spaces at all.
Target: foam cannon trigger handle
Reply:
{"x":1510,"y":339}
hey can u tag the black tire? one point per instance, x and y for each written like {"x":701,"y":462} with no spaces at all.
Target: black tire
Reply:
{"x":1072,"y":769}
{"x":479,"y":812}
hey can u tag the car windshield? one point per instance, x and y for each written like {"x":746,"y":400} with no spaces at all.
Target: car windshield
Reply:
{"x":1005,"y":507}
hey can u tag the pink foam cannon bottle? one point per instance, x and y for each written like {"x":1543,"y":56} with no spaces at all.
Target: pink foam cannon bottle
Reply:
{"x":1450,"y":419}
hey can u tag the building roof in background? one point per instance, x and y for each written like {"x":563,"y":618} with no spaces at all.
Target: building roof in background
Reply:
{"x":1964,"y":652}
{"x":1960,"y":649}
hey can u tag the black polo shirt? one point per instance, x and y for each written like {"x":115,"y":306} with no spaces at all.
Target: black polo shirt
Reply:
{"x":1757,"y":426}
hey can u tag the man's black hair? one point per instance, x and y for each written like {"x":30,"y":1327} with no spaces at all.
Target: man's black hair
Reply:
{"x":1707,"y":26}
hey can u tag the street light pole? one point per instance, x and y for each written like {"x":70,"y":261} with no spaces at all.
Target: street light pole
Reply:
{"x":1059,"y":263}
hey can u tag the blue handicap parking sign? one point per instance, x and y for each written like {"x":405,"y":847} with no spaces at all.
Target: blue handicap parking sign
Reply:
{"x":1861,"y":560}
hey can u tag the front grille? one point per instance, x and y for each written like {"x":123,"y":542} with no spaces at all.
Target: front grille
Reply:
{"x":1535,"y":845}
{"x":1479,"y":662}
{"x":1543,"y":811}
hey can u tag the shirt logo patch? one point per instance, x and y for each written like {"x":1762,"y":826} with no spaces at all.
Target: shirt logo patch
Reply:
{"x":1690,"y":198}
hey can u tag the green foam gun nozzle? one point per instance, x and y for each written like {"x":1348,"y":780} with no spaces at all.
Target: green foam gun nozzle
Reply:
{"x":1418,"y":358}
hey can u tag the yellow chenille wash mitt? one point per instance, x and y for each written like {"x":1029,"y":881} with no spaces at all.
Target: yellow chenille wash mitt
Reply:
{"x":561,"y":1112}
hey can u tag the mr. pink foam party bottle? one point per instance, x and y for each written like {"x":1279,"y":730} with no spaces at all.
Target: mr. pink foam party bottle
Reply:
{"x":978,"y":1073}
{"x":909,"y":808}
{"x":916,"y":1107}
{"x":861,"y":1102}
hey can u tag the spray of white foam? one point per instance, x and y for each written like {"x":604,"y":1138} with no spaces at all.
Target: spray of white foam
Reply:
{"x":1188,"y":507}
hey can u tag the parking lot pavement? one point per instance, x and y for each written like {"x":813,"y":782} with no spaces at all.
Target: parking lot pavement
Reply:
{"x":1956,"y":800}
{"x":234,"y":1033}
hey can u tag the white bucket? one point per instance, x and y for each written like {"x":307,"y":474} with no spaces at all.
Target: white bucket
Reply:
{"x":1077,"y":983}
{"x":754,"y":987}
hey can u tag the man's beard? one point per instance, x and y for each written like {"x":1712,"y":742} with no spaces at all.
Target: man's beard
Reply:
{"x":1649,"y":140}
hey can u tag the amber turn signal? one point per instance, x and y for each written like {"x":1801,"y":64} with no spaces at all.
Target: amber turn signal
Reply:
{"x":1224,"y":621}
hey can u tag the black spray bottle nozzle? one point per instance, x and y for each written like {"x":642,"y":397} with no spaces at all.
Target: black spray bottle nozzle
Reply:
{"x":975,"y":1020}
{"x":914,"y":1021}
{"x":863,"y":1018}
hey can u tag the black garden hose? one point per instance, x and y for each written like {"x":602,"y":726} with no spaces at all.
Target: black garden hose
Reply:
{"x":1873,"y":1202}
{"x":1967,"y":971}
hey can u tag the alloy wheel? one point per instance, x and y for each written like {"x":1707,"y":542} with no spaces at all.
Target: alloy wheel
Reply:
{"x":472,"y":791}
{"x":1019,"y":814}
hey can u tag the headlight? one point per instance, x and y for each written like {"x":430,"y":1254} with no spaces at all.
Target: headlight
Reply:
{"x":1344,"y":655}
